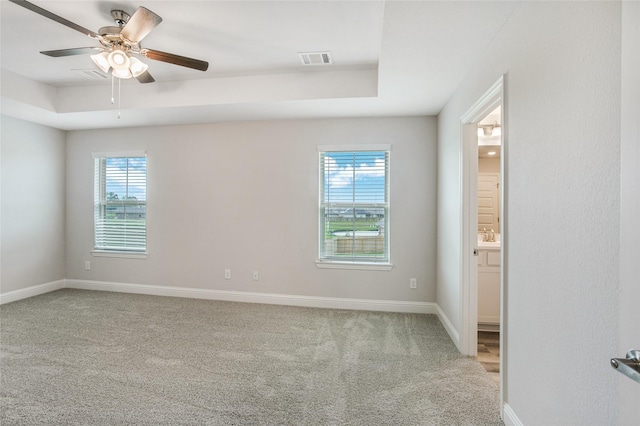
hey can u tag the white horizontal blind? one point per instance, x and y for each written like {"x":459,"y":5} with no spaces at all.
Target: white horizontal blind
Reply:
{"x":354,"y":206}
{"x":120,"y":203}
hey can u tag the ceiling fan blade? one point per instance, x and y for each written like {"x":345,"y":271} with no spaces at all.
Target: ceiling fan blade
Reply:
{"x":145,"y":77}
{"x":140,"y":24}
{"x":176,"y":59}
{"x":40,"y":11}
{"x":71,"y":52}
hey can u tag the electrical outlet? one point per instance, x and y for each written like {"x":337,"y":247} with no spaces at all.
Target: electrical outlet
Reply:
{"x":227,"y":274}
{"x":256,"y":276}
{"x":87,"y":265}
{"x":413,"y":283}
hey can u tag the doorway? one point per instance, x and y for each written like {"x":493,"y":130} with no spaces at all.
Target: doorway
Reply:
{"x":488,"y":103}
{"x":489,"y":180}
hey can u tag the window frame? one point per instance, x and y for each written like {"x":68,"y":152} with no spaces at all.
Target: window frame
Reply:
{"x":355,"y":262}
{"x":101,"y":202}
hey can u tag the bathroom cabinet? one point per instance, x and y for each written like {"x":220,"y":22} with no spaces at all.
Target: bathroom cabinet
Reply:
{"x":488,"y":287}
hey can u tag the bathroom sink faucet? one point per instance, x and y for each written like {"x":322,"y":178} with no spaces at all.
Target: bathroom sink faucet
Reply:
{"x":488,"y":236}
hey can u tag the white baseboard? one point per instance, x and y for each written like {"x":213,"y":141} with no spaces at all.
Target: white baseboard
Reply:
{"x":448,"y":325}
{"x":509,"y":416}
{"x":23,"y":293}
{"x":488,"y":320}
{"x":249,"y":297}
{"x":494,"y":328}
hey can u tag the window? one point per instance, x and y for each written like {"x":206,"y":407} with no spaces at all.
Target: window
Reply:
{"x":120,"y":202}
{"x":354,"y":204}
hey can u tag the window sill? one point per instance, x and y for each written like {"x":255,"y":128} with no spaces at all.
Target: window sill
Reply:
{"x":329,"y":264}
{"x":121,"y":254}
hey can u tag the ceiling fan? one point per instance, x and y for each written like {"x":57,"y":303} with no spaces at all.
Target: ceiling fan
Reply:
{"x":119,"y":44}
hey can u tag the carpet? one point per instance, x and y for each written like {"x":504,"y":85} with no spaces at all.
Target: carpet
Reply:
{"x":100,"y":358}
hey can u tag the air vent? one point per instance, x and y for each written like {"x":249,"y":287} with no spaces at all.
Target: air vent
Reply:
{"x":315,"y":58}
{"x":91,"y":74}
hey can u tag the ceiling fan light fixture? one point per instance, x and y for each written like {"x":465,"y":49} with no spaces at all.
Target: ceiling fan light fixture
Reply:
{"x":125,"y":73}
{"x":101,"y":61}
{"x":137,"y":67}
{"x":118,"y":60}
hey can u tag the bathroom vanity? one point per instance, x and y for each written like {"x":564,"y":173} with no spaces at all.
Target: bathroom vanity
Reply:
{"x":489,"y":285}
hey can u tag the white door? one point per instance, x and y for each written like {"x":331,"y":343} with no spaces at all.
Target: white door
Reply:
{"x":488,"y":202}
{"x":629,"y":330}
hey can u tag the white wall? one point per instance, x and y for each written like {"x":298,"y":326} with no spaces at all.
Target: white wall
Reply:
{"x":562,"y":66}
{"x":33,"y":192}
{"x":488,"y":165}
{"x":244,"y":196}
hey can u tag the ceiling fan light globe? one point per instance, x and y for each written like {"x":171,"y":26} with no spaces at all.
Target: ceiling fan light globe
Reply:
{"x":118,"y":60}
{"x":124,"y":74}
{"x":101,"y":61}
{"x":137,"y":67}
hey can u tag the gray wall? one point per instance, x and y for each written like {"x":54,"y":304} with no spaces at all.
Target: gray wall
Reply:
{"x":244,"y":196}
{"x":562,"y":66}
{"x":33,"y":193}
{"x":629,"y":332}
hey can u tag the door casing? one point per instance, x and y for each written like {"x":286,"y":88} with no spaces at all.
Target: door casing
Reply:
{"x":492,"y":98}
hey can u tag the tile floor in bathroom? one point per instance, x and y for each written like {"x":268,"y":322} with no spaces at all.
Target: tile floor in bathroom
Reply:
{"x":489,"y":353}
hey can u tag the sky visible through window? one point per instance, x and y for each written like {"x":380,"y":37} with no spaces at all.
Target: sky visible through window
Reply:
{"x":357,"y":177}
{"x":126,"y":177}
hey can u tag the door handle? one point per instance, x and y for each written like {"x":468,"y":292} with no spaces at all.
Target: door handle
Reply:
{"x":629,"y":366}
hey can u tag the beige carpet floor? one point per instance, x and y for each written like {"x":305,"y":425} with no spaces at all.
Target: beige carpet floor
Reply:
{"x":98,"y":358}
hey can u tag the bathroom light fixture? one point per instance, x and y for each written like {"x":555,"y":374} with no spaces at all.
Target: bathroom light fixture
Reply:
{"x":489,"y":129}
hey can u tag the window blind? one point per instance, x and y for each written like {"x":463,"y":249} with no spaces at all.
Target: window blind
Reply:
{"x":354,"y":206}
{"x":120,"y":203}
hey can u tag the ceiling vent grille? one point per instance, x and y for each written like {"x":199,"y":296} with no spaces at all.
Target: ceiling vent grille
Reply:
{"x":315,"y":58}
{"x":91,"y":74}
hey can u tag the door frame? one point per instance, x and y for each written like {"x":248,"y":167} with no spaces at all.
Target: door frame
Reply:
{"x":491,"y":99}
{"x":629,"y":292}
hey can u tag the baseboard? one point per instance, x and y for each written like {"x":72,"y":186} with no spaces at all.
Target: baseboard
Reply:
{"x":250,"y":297}
{"x":448,"y":325}
{"x":23,"y":293}
{"x":488,"y":320}
{"x":509,"y":416}
{"x":494,"y":328}
{"x":236,"y":296}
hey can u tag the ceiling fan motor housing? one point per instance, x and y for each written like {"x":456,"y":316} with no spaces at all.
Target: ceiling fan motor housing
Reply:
{"x":120,"y":17}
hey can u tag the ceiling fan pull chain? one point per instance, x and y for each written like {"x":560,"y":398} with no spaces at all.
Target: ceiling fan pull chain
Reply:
{"x":112,"y":100}
{"x":119,"y":97}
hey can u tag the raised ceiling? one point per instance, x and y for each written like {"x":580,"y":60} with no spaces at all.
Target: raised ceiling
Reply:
{"x":389,"y":59}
